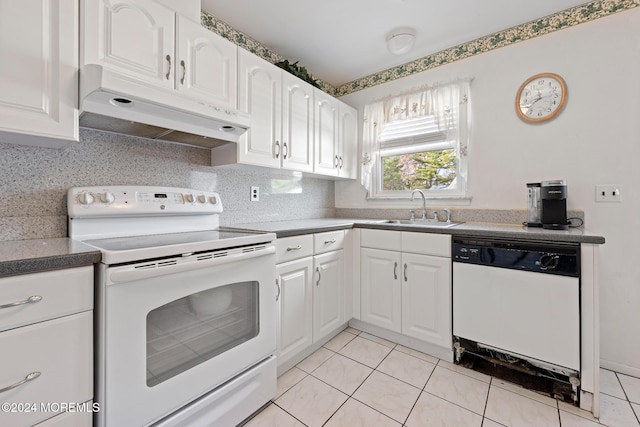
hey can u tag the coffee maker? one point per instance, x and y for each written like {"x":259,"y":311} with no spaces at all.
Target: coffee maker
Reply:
{"x":547,"y":203}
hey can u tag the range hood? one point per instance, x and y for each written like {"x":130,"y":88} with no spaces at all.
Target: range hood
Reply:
{"x":117,"y":103}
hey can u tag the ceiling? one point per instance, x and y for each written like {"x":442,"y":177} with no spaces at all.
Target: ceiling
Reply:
{"x":339,"y":41}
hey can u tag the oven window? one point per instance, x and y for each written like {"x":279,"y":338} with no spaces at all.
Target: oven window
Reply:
{"x":191,"y":330}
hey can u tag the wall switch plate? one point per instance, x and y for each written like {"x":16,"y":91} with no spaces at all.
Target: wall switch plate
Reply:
{"x":255,"y":194}
{"x":608,"y":193}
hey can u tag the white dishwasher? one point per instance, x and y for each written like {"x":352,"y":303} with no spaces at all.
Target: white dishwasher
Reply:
{"x":516,"y":312}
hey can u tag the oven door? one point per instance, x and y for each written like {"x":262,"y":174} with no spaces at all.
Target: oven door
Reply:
{"x":171,"y":330}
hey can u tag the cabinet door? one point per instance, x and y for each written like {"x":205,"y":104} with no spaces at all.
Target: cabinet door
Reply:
{"x":348,"y":137}
{"x":426,"y":298}
{"x":380,"y":288}
{"x":297,"y":138}
{"x":260,"y":95}
{"x":135,"y":37}
{"x":206,"y":64}
{"x":327,"y":160}
{"x":38,"y":77}
{"x":61,"y":351}
{"x":295,"y":303}
{"x":328,"y":292}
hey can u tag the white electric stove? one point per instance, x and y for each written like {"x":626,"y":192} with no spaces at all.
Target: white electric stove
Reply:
{"x":185,"y":310}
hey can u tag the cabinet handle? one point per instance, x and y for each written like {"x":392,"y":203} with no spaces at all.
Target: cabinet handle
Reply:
{"x":340,"y":162}
{"x":32,"y":299}
{"x":278,"y":286}
{"x":297,"y":248}
{"x":168,"y":58}
{"x":329,"y":242}
{"x":276,"y":149}
{"x":405,"y":272}
{"x":336,"y":164}
{"x":285,"y":150}
{"x":30,"y":377}
{"x":184,"y":71}
{"x":395,"y":271}
{"x":319,"y":276}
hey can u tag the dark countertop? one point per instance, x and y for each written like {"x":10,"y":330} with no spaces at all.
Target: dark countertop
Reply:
{"x":31,"y":256}
{"x":501,"y":231}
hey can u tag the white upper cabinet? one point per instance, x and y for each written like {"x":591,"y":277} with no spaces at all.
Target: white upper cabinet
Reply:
{"x":336,"y":137}
{"x":348,"y":138}
{"x":260,"y":95}
{"x":133,"y":37}
{"x":297,"y":124}
{"x":281,"y":109}
{"x":207,"y":64}
{"x":38,"y":77}
{"x":327,"y":160}
{"x":152,"y":44}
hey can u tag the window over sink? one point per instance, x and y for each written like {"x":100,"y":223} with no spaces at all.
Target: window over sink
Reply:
{"x":418,"y":140}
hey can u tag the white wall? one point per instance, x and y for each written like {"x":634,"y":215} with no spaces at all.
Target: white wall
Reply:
{"x":595,"y":140}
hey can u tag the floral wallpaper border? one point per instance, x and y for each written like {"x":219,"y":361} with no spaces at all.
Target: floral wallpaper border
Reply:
{"x":559,"y":21}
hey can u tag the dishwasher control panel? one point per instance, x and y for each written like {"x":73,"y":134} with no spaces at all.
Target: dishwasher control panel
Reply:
{"x":527,"y":256}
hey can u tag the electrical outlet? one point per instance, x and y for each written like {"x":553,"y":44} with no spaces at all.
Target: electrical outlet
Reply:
{"x":255,"y":194}
{"x":608,"y":193}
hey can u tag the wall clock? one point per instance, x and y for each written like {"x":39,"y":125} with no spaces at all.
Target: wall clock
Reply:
{"x":541,"y":97}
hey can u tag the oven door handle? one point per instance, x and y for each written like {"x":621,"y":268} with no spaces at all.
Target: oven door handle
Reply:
{"x":163,"y":267}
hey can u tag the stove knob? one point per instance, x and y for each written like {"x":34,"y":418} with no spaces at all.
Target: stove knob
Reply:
{"x":213,"y":200}
{"x":85,"y":198}
{"x":107,"y":198}
{"x":189,"y":198}
{"x":202,"y":199}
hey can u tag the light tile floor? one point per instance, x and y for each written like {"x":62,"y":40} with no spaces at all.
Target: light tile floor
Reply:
{"x":358,"y":379}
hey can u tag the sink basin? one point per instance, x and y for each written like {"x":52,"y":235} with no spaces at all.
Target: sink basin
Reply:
{"x":423,"y":223}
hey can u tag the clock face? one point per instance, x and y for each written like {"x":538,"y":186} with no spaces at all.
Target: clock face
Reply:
{"x":541,"y":97}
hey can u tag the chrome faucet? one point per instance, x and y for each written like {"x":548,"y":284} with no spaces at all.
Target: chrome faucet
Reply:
{"x":424,"y":202}
{"x":448,"y":213}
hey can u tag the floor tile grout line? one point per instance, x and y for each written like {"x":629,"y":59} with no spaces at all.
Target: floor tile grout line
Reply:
{"x":293,"y":416}
{"x":626,"y":395}
{"x":486,"y":402}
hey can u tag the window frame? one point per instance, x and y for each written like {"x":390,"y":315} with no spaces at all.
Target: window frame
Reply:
{"x":435,"y":138}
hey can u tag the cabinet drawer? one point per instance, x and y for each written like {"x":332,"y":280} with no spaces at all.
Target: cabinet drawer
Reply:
{"x":61,"y":350}
{"x":60,"y":292}
{"x":72,"y":419}
{"x":327,"y":242}
{"x":381,"y":239}
{"x":427,"y":244}
{"x":295,"y":247}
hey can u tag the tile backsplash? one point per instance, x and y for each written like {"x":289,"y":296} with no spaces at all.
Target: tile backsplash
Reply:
{"x":34,"y":182}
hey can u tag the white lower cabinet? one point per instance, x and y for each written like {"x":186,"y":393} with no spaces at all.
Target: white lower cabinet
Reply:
{"x":46,"y":374}
{"x":311,"y":292}
{"x":407,"y":292}
{"x":295,"y":305}
{"x":328,"y":292}
{"x":426,"y":298}
{"x":380,"y":293}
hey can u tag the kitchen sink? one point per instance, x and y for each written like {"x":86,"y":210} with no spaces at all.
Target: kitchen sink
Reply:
{"x":422,"y":223}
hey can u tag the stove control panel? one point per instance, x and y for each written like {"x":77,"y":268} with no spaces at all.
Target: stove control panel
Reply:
{"x":140,"y":200}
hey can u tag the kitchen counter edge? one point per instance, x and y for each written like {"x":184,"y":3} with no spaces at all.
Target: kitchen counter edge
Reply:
{"x":292,"y":228}
{"x":37,"y":255}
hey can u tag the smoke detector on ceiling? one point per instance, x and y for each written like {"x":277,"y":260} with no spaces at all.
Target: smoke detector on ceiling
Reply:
{"x":400,"y":40}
